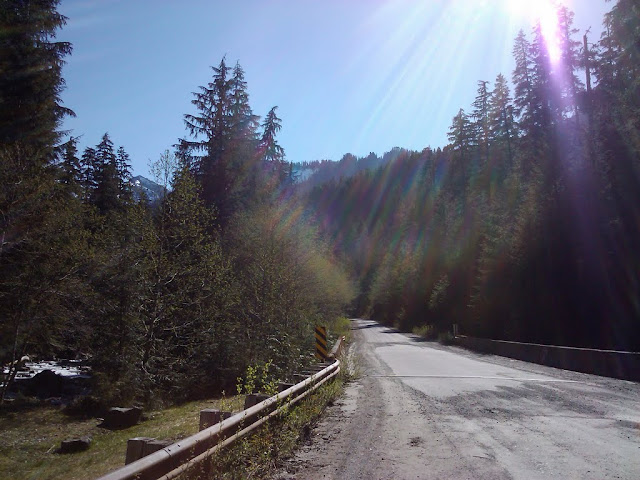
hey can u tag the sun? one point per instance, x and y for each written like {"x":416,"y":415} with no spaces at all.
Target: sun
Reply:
{"x":544,"y":11}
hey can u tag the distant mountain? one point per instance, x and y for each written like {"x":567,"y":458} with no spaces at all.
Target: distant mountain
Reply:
{"x":142,"y":185}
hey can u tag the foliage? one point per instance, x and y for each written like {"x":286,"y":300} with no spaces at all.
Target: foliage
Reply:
{"x":258,"y":455}
{"x":525,"y":226}
{"x":288,"y":283}
{"x":30,"y":75}
{"x":257,"y":379}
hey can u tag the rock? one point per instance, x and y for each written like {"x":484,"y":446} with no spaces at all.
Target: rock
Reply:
{"x":45,"y":384}
{"x":117,"y":417}
{"x":74,"y":445}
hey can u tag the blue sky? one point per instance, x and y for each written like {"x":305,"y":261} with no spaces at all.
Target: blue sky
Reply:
{"x":347,"y":75}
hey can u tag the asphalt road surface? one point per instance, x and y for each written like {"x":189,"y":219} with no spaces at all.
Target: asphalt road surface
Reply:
{"x":419,"y":410}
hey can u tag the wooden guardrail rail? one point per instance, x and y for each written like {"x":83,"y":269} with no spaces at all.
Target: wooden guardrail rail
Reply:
{"x":185,"y":454}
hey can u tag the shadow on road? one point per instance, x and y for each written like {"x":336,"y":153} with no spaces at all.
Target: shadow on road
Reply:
{"x":362,"y":327}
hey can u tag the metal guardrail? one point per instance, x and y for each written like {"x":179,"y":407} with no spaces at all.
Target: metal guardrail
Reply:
{"x":185,"y":454}
{"x":338,"y":348}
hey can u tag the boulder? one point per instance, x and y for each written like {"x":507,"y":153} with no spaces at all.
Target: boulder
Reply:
{"x":118,"y":418}
{"x":74,"y":445}
{"x":45,"y":384}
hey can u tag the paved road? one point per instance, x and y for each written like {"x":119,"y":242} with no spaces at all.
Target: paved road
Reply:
{"x":423,"y":411}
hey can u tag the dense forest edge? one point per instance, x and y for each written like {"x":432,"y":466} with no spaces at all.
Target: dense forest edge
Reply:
{"x":525,"y":227}
{"x":166,"y":301}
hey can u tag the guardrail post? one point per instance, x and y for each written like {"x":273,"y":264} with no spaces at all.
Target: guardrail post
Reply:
{"x":135,"y":447}
{"x":254,"y":399}
{"x":282,"y":386}
{"x":169,"y":461}
{"x":211,"y":416}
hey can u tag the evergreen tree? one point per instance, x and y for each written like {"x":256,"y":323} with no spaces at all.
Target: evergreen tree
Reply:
{"x":271,"y":153}
{"x":123,"y":167}
{"x":461,"y":134}
{"x":39,"y":241}
{"x":182,"y":334}
{"x":70,"y":167}
{"x":501,"y":122}
{"x":212,"y":133}
{"x":567,"y":79}
{"x":222,"y":152}
{"x":107,"y":181}
{"x":480,"y":115}
{"x":524,"y":102}
{"x":244,"y":169}
{"x":30,"y":74}
{"x":546,"y":98}
{"x":88,"y":170}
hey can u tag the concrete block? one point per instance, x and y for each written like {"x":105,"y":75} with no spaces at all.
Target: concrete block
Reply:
{"x":211,"y":416}
{"x":254,"y":399}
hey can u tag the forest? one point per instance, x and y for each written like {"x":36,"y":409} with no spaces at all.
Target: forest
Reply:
{"x":525,"y":227}
{"x":170,"y":301}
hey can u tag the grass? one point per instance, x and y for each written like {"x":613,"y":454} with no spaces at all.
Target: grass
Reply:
{"x":29,"y":438}
{"x":340,"y":327}
{"x":258,"y":455}
{"x":424,"y":331}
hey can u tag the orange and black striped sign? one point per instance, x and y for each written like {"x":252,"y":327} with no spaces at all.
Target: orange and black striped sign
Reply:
{"x":321,"y":343}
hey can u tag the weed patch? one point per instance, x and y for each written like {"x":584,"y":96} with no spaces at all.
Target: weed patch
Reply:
{"x":257,"y":455}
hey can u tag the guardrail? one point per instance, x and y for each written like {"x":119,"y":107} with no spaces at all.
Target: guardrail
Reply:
{"x":185,"y":454}
{"x":338,"y":348}
{"x":608,"y":363}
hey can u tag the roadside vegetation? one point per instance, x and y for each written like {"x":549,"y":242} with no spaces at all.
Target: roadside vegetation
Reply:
{"x":169,"y":302}
{"x":258,"y":455}
{"x":29,"y":438}
{"x":525,"y":226}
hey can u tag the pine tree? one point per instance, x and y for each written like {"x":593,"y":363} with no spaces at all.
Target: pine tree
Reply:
{"x":222,"y":154}
{"x":88,"y":169}
{"x":480,"y":115}
{"x":40,"y":251}
{"x":501,"y":122}
{"x":271,"y":153}
{"x":123,"y":167}
{"x":107,"y":188}
{"x":461,"y":134}
{"x":567,"y":79}
{"x":524,"y":102}
{"x":546,"y":98}
{"x":30,"y":74}
{"x":70,"y":168}
{"x":212,"y":133}
{"x":243,"y":168}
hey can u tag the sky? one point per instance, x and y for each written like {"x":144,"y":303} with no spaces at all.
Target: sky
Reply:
{"x":348,"y":76}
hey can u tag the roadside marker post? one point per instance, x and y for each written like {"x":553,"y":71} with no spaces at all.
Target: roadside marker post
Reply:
{"x":321,"y":342}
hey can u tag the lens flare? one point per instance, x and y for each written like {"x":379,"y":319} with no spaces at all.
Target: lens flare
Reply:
{"x":545,"y":12}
